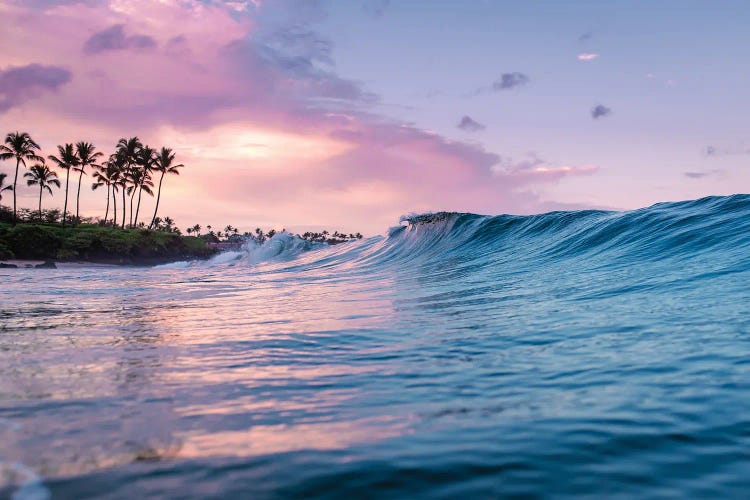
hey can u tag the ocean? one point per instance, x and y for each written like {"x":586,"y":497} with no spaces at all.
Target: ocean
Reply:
{"x":571,"y":354}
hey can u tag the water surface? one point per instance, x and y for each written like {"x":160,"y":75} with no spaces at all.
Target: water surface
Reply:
{"x":573,"y":353}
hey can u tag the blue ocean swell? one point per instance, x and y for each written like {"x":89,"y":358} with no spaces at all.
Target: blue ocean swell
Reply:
{"x":586,"y":353}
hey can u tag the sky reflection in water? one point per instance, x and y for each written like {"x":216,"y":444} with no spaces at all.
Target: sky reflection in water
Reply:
{"x":582,"y":353}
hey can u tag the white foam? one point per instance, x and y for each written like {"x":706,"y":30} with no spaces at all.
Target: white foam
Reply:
{"x":183,"y":264}
{"x":225,"y":257}
{"x":30,"y":485}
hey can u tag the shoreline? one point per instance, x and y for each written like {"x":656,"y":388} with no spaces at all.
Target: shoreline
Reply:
{"x":17,"y":264}
{"x":26,"y":244}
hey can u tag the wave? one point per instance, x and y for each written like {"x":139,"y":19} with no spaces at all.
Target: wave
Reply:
{"x":281,"y":247}
{"x":672,"y":230}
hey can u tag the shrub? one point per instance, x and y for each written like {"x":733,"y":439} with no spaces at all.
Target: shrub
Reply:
{"x":83,"y":243}
{"x":5,"y":252}
{"x":6,"y":214}
{"x":66,"y":254}
{"x":33,"y":242}
{"x":116,"y":242}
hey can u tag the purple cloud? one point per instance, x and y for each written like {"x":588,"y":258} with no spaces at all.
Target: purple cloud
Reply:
{"x":46,"y":4}
{"x":114,"y":38}
{"x":296,"y":61}
{"x":508,"y":81}
{"x":727,"y":151}
{"x":701,"y":175}
{"x":468,"y":124}
{"x":21,"y":83}
{"x":600,"y":111}
{"x":376,"y":8}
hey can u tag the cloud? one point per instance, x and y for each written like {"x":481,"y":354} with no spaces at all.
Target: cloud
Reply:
{"x":600,"y":111}
{"x":296,"y":63}
{"x":587,"y":56}
{"x":468,"y":124}
{"x":256,"y":96}
{"x":22,"y":83}
{"x":299,"y":43}
{"x":510,"y":80}
{"x":586,"y":36}
{"x":114,"y":38}
{"x":534,"y":168}
{"x":701,"y":175}
{"x":46,"y":4}
{"x":376,"y":8}
{"x":716,"y":151}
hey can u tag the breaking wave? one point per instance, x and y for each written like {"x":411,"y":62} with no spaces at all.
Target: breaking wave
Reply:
{"x":663,"y":231}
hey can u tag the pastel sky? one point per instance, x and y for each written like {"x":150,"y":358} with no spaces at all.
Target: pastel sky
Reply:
{"x":347,"y":114}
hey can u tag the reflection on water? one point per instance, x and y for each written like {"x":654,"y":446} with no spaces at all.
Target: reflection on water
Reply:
{"x":108,"y":367}
{"x":265,"y":439}
{"x":448,"y":359}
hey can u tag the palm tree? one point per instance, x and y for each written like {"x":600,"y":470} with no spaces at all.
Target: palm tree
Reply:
{"x":145,"y":162}
{"x":127,"y":151}
{"x":164,"y":164}
{"x":123,"y":184}
{"x":114,"y":202}
{"x":45,"y":178}
{"x":139,"y":180}
{"x":106,"y":175}
{"x":87,"y":155}
{"x":3,"y":187}
{"x":120,"y":180}
{"x":21,"y":146}
{"x":67,"y":160}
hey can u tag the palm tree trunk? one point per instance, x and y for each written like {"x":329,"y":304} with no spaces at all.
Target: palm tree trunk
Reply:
{"x":123,"y":207}
{"x":40,"y":202}
{"x":65,"y":207}
{"x":138,"y":207}
{"x":114,"y":207}
{"x":158,"y":197}
{"x":15,"y":180}
{"x":78,"y":196}
{"x":106,"y":212}
{"x":131,"y":207}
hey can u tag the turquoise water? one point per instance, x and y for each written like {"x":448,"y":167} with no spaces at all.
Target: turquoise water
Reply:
{"x":590,"y":353}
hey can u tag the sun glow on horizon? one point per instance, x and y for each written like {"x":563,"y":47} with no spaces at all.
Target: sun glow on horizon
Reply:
{"x":236,"y":142}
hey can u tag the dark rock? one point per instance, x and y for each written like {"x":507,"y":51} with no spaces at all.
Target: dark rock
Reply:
{"x":48,"y":264}
{"x":3,"y":265}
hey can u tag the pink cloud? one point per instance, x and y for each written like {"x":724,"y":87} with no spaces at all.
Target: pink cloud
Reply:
{"x":19,"y":84}
{"x":587,"y":57}
{"x":270,"y":133}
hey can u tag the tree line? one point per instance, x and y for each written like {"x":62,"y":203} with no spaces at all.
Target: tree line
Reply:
{"x":231,"y":234}
{"x":125,"y":174}
{"x":129,"y":171}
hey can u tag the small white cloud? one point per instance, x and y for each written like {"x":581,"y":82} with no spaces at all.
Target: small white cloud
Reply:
{"x":568,"y":169}
{"x":587,"y":57}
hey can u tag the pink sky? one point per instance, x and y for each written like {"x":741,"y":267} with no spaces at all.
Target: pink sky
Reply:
{"x":270,"y":134}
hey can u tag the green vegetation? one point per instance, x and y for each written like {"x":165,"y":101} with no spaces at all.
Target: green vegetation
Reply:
{"x":128,"y":171}
{"x":26,"y":234}
{"x":333,"y":238}
{"x":56,"y":235}
{"x":95,"y":243}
